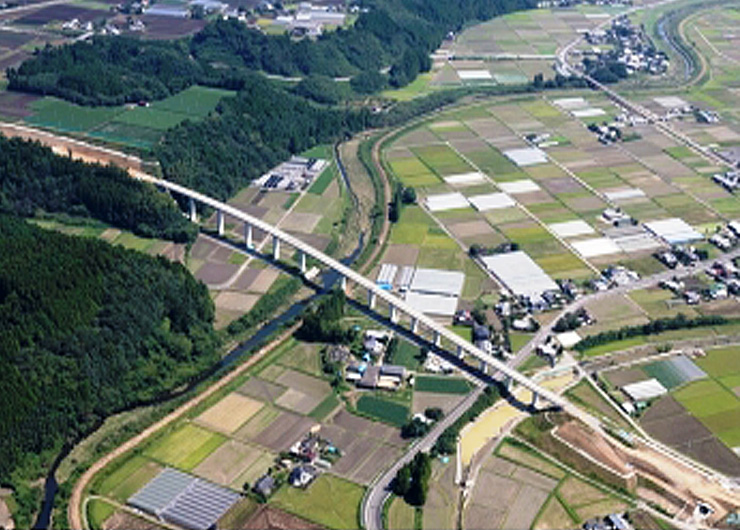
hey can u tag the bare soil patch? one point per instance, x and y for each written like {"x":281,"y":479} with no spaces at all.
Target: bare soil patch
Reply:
{"x":246,"y":279}
{"x":122,"y":520}
{"x":526,"y":506}
{"x":225,"y":464}
{"x":235,"y":301}
{"x":216,"y":273}
{"x":304,"y":383}
{"x":158,"y":27}
{"x":230,"y":413}
{"x":284,"y":431}
{"x":269,"y":518}
{"x":264,"y":280}
{"x":425,"y":400}
{"x":402,"y":255}
{"x":260,"y":389}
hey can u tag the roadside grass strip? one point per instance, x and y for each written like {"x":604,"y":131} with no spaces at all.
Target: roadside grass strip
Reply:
{"x":383,"y":410}
{"x":442,"y":385}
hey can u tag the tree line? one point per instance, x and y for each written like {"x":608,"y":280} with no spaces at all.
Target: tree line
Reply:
{"x":653,"y":327}
{"x":33,"y":178}
{"x":396,"y":36}
{"x":87,"y":329}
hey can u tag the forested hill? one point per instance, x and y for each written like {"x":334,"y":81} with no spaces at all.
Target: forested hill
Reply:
{"x":247,"y":135}
{"x":33,"y":178}
{"x":86,"y":329}
{"x":114,"y":70}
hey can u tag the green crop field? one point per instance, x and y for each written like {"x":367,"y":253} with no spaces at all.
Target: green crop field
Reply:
{"x":329,"y":501}
{"x":412,"y":172}
{"x":323,"y":181}
{"x":186,"y":447}
{"x":325,"y":407}
{"x":98,"y":511}
{"x":57,"y":114}
{"x":128,"y":479}
{"x":707,"y":398}
{"x":721,"y":362}
{"x":150,"y":118}
{"x":406,"y":355}
{"x":442,"y":385}
{"x":383,"y":410}
{"x":442,"y":159}
{"x":196,"y":101}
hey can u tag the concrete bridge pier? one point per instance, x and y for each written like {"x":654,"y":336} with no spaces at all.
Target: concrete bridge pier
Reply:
{"x":392,"y":313}
{"x":302,"y":259}
{"x":220,"y":222}
{"x":414,"y":325}
{"x":371,"y":298}
{"x":192,"y":210}
{"x":484,"y":367}
{"x":437,"y":339}
{"x":248,"y":240}
{"x":275,"y":248}
{"x":535,"y":399}
{"x":507,"y":383}
{"x":343,"y":284}
{"x":460,"y":352}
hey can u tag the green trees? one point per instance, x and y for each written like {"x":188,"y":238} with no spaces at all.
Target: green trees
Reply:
{"x":33,"y":178}
{"x":323,"y":323}
{"x":399,"y":34}
{"x":412,"y":480}
{"x":87,"y":329}
{"x":247,"y":135}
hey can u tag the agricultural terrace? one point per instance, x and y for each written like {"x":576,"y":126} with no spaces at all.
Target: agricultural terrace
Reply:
{"x":479,"y":181}
{"x":700,"y":415}
{"x":532,"y":492}
{"x":129,"y":125}
{"x":234,"y":437}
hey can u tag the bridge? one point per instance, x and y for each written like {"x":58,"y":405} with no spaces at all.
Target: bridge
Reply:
{"x":396,"y":306}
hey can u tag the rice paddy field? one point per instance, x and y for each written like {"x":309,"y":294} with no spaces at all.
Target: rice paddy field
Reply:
{"x":131,"y":125}
{"x":532,"y":492}
{"x":701,"y":414}
{"x":549,"y":202}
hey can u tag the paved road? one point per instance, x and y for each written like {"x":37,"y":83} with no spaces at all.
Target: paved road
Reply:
{"x":378,"y":491}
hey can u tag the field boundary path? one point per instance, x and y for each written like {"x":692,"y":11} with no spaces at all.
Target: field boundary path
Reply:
{"x":75,"y":517}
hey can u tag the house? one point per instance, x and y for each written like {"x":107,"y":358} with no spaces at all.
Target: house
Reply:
{"x":369,"y":378}
{"x":720,"y":242}
{"x":616,"y":522}
{"x":302,"y":476}
{"x":376,"y":341}
{"x":265,"y":485}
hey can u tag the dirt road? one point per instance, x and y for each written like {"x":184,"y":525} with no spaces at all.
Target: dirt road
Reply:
{"x":76,"y":148}
{"x":74,"y":509}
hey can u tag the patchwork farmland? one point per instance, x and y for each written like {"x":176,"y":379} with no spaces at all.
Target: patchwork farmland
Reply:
{"x":481,"y":182}
{"x":699,"y":414}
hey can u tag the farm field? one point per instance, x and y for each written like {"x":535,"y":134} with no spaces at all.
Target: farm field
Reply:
{"x":700,"y":414}
{"x":330,"y":501}
{"x":131,"y":125}
{"x":532,"y":492}
{"x":472,"y":190}
{"x":384,"y":410}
